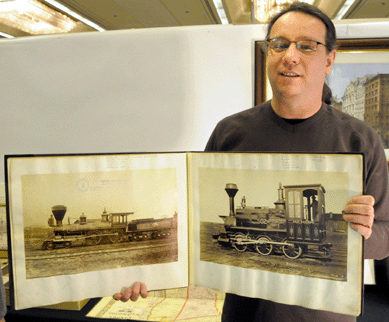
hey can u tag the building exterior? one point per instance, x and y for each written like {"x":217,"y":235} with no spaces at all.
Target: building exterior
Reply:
{"x":377,"y":105}
{"x":354,"y":98}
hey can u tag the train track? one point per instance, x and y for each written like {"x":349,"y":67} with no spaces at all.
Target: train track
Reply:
{"x":72,"y":252}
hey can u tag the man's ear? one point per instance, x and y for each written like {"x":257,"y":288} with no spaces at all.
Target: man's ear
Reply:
{"x":330,"y":61}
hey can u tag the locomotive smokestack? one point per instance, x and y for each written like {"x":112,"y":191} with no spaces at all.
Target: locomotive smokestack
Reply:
{"x":280,"y":203}
{"x":59,"y":212}
{"x":281,"y":193}
{"x":231,"y":190}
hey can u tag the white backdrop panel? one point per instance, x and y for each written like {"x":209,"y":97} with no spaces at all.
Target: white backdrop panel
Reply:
{"x":147,"y":90}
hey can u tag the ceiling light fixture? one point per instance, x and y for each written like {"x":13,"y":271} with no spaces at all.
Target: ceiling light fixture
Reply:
{"x":263,"y":9}
{"x":342,"y":12}
{"x":3,"y":34}
{"x":34,"y":17}
{"x":221,"y":12}
{"x":74,"y":14}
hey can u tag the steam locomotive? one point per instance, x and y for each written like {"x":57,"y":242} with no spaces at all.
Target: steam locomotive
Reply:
{"x":112,"y":227}
{"x":296,"y":224}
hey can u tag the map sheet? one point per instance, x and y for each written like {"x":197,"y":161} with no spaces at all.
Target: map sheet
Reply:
{"x":184,"y":304}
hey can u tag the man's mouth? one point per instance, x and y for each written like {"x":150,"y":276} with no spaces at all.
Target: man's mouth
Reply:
{"x":289,"y":74}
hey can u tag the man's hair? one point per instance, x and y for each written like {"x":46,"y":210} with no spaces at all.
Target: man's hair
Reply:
{"x":312,"y":11}
{"x":330,"y":32}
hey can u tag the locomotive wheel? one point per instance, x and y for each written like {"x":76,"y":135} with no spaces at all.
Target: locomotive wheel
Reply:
{"x":263,"y":247}
{"x":95,"y":240}
{"x":122,"y":237}
{"x":67,"y":244}
{"x":292,"y":252}
{"x":50,"y":245}
{"x":114,"y":238}
{"x":238,"y":239}
{"x":156,"y":235}
{"x":137,"y":237}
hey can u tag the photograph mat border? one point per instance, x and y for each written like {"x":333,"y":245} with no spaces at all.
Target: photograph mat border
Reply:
{"x":100,"y":283}
{"x":304,"y":291}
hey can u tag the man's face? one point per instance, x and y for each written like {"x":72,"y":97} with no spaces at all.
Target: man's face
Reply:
{"x":292,"y":73}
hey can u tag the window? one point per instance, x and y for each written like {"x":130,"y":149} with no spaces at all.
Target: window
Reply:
{"x":294,"y":204}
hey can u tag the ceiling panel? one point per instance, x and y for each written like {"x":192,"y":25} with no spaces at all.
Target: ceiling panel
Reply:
{"x":128,"y":14}
{"x":192,"y":12}
{"x":369,"y":9}
{"x":122,"y":14}
{"x":330,"y":8}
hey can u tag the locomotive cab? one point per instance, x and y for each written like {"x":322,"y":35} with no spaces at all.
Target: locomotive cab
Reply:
{"x":305,"y":212}
{"x":120,"y":219}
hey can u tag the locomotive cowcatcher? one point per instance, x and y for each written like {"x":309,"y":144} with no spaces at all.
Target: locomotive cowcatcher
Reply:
{"x":296,"y":224}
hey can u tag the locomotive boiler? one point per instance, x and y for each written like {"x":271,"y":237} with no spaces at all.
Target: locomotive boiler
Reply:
{"x":112,"y":228}
{"x":296,"y":224}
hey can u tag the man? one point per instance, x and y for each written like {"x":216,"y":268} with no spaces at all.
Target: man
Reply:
{"x":301,"y":51}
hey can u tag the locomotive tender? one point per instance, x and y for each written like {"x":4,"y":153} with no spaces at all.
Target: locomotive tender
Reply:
{"x":296,"y":223}
{"x":112,"y":227}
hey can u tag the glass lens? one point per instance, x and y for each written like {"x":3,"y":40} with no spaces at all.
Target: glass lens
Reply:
{"x":306,"y":45}
{"x":282,"y":44}
{"x":279,"y":44}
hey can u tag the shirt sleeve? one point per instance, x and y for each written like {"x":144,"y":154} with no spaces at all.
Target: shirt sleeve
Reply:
{"x":377,"y":245}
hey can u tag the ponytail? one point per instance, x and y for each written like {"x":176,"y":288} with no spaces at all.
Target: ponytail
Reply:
{"x":327,"y":95}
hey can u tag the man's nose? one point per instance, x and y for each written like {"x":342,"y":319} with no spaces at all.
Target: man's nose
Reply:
{"x":292,"y":55}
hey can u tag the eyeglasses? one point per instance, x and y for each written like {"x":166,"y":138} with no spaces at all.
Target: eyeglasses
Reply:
{"x":281,"y":44}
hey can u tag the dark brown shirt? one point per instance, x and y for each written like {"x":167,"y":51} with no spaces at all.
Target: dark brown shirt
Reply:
{"x":260,"y":129}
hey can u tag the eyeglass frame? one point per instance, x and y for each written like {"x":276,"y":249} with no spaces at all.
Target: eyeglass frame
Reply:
{"x":296,"y":44}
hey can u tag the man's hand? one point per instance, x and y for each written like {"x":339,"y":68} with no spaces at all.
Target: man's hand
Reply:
{"x":359,"y":212}
{"x":131,"y":293}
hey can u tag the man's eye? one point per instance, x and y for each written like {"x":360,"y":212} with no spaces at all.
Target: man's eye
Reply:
{"x":281,"y":46}
{"x":305,"y":47}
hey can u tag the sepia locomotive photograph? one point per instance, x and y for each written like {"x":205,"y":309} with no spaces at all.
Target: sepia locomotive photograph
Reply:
{"x":288,"y":222}
{"x":82,"y":222}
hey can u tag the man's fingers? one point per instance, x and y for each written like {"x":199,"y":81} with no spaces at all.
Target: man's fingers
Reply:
{"x":363,"y":230}
{"x":132,"y":293}
{"x":359,"y":212}
{"x":359,"y":209}
{"x":143,"y":290}
{"x":126,"y":295}
{"x":358,"y":219}
{"x":362,"y":200}
{"x":135,"y":291}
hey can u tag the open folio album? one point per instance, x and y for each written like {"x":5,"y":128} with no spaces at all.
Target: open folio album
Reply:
{"x":264,"y":225}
